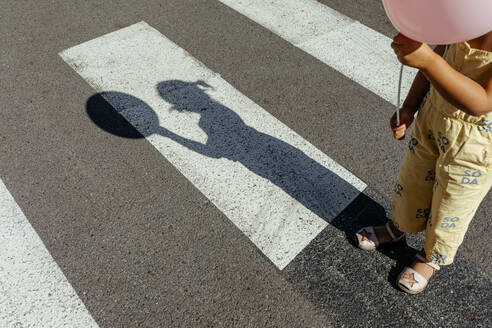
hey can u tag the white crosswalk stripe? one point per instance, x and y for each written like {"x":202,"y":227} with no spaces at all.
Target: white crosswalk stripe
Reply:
{"x":348,"y":46}
{"x":33,"y":290}
{"x":271,"y":183}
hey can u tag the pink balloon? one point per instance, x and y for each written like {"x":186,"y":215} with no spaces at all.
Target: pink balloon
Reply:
{"x":440,"y":21}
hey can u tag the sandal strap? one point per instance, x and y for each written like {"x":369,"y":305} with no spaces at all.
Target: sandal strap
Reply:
{"x":424,"y":260}
{"x":390,"y":232}
{"x":392,"y":235}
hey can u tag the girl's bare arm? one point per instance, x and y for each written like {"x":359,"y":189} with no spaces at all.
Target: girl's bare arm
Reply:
{"x":458,"y":89}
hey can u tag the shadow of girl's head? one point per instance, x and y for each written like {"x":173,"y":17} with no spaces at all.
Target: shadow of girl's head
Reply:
{"x":185,"y":96}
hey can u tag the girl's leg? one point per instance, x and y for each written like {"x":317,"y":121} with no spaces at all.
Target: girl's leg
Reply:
{"x":462,"y":183}
{"x":413,"y":191}
{"x":463,"y":178}
{"x":412,"y":195}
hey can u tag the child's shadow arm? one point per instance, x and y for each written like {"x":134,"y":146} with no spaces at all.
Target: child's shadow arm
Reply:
{"x":198,"y":147}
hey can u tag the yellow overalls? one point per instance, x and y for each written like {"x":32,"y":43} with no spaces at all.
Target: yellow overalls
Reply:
{"x":447,"y":169}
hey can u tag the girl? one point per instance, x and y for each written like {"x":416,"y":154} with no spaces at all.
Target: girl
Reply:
{"x":447,"y":169}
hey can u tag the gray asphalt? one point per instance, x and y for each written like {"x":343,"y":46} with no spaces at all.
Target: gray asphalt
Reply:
{"x":143,"y":248}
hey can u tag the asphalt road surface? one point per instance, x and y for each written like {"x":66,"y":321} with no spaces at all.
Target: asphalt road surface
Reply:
{"x":205,"y":163}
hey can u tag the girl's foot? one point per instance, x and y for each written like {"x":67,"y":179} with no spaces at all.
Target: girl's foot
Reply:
{"x":371,"y":237}
{"x":414,"y":279}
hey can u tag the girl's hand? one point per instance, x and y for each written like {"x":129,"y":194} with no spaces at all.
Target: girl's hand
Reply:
{"x":406,"y":119}
{"x":412,"y":53}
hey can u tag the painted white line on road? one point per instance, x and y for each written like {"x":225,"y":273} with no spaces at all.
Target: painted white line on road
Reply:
{"x":356,"y":51}
{"x":33,"y":290}
{"x":277,"y":188}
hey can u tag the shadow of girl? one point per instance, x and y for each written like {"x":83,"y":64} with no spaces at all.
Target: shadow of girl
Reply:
{"x":313,"y":185}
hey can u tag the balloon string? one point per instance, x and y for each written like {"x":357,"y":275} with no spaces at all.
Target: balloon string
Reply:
{"x":398,"y":100}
